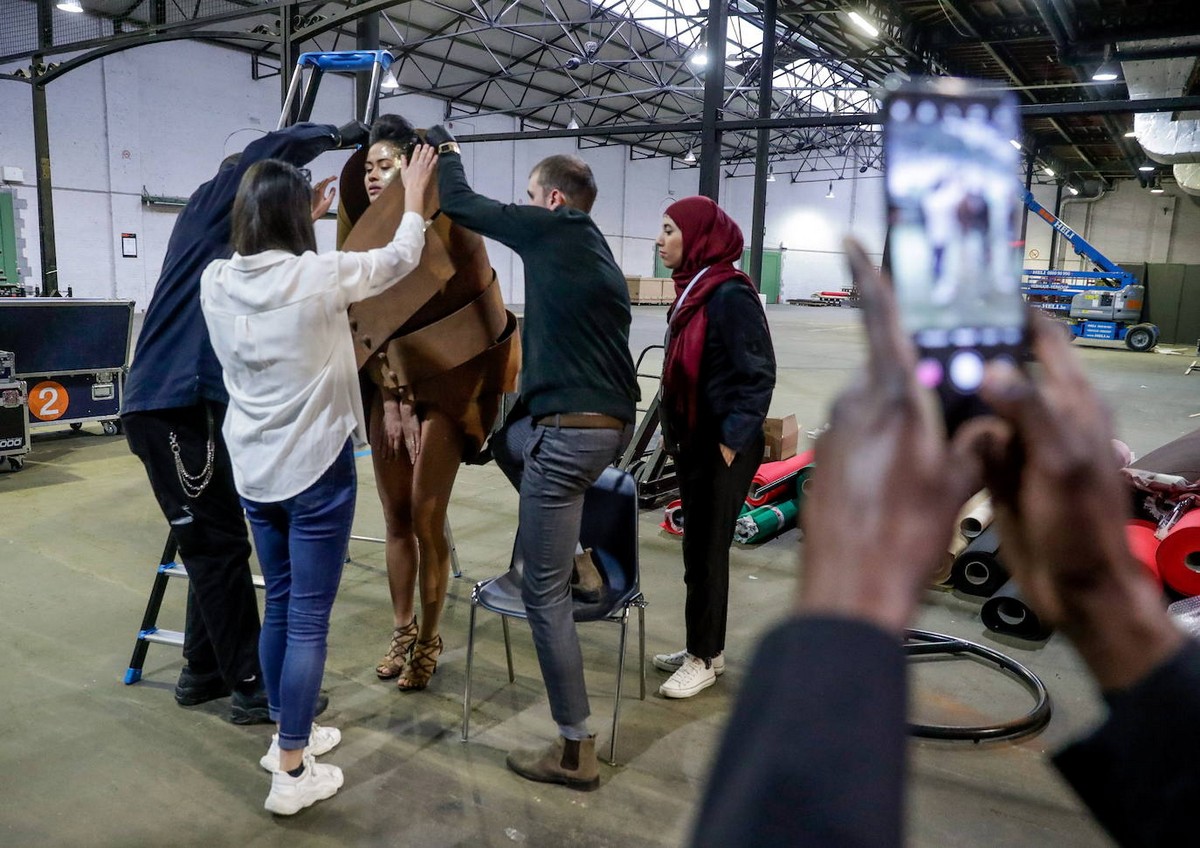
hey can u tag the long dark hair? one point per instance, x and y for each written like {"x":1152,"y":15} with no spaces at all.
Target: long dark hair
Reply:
{"x":273,"y":210}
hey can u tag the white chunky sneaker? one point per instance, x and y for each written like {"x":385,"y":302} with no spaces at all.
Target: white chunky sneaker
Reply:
{"x":672,"y":662}
{"x":290,"y":795}
{"x":693,"y":677}
{"x":321,"y":740}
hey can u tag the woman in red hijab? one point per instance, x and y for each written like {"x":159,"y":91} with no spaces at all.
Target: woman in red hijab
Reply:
{"x":717,"y":382}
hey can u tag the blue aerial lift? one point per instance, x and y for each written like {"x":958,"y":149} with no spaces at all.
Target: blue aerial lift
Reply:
{"x":1104,"y":304}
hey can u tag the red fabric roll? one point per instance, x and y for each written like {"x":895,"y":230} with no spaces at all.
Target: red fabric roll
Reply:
{"x":672,"y":518}
{"x":1182,"y":546}
{"x":769,"y":472}
{"x":1144,"y":546}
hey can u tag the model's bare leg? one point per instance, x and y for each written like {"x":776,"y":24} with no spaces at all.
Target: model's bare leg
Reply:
{"x":433,"y":479}
{"x":394,"y":482}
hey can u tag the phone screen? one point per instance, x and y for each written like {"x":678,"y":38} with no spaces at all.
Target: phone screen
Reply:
{"x":953,"y":205}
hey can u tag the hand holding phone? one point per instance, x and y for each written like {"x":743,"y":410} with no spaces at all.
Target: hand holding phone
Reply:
{"x":952,"y":188}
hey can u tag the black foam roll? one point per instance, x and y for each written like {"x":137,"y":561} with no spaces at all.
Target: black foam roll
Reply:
{"x":977,"y":570}
{"x":1007,"y":612}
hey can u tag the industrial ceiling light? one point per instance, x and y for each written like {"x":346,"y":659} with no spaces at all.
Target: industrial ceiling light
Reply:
{"x":1074,"y":191}
{"x":1156,"y":186}
{"x":1131,"y":134}
{"x":829,"y":194}
{"x":1048,"y":171}
{"x":1107,"y":72}
{"x":770,"y":173}
{"x":573,"y":124}
{"x":1015,"y":143}
{"x":1146,"y":167}
{"x":699,"y":58}
{"x":865,"y":25}
{"x":389,"y":82}
{"x":690,"y":158}
{"x":70,"y":6}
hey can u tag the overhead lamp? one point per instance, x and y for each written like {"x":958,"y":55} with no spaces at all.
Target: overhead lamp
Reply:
{"x":1156,"y":186}
{"x":1074,"y":191}
{"x":1048,"y":171}
{"x":1015,"y":143}
{"x":770,"y":173}
{"x":1146,"y":167}
{"x":389,"y":81}
{"x":863,"y":24}
{"x":573,"y":124}
{"x":699,"y":59}
{"x":690,"y":157}
{"x":70,"y":6}
{"x":1131,"y":134}
{"x":1107,"y":72}
{"x":829,"y":194}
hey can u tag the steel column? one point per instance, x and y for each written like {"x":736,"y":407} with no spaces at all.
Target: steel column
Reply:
{"x":714,"y":95}
{"x":366,"y":38}
{"x":287,"y":59}
{"x":1054,"y":230}
{"x":41,"y":154}
{"x":766,"y":79}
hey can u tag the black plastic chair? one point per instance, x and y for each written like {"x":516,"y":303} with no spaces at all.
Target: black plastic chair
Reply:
{"x":609,"y":528}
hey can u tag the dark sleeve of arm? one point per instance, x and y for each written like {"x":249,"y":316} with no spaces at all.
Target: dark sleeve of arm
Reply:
{"x":1139,"y":773}
{"x":298,"y":144}
{"x":736,"y":318}
{"x":512,"y":225}
{"x":814,"y":753}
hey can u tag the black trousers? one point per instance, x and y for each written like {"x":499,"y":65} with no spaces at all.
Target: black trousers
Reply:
{"x":222,"y":613}
{"x":712,"y":494}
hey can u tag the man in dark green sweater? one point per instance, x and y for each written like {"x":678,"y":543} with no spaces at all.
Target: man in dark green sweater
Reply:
{"x":574,"y":418}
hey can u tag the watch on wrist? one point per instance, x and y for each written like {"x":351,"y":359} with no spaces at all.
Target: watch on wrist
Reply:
{"x":448,"y":147}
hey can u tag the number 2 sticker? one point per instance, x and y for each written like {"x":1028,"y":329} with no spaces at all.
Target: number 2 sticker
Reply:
{"x":48,"y":400}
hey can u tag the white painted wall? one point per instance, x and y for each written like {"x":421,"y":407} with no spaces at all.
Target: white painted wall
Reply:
{"x":161,"y":117}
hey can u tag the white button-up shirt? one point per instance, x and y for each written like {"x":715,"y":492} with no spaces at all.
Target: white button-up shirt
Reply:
{"x":278,"y":324}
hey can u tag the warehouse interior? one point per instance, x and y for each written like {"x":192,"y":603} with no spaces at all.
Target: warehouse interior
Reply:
{"x":116,"y":110}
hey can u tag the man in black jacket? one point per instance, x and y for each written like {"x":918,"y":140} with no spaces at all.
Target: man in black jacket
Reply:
{"x":814,"y":753}
{"x":574,"y":418}
{"x":172,"y":409}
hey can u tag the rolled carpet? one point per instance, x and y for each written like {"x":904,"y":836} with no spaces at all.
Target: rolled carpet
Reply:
{"x":772,"y":477}
{"x":1143,"y":544}
{"x":1006,"y":612}
{"x":673,"y":518}
{"x":978,"y":570}
{"x":1178,"y":555}
{"x":766,"y":522}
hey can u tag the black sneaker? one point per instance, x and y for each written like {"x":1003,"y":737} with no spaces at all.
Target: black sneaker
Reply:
{"x":253,"y":708}
{"x":192,"y":689}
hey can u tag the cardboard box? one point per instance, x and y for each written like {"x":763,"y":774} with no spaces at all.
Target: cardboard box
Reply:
{"x":782,"y":436}
{"x":654,"y":290}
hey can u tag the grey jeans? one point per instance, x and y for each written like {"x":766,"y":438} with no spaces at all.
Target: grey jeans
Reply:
{"x":552,"y":468}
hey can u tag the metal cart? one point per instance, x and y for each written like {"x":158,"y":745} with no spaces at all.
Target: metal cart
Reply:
{"x":73,"y":354}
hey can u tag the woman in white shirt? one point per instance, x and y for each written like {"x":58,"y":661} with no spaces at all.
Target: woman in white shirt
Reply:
{"x":276,"y":314}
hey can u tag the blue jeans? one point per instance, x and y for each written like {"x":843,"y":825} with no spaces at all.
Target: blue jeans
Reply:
{"x":301,"y":544}
{"x":552,"y":468}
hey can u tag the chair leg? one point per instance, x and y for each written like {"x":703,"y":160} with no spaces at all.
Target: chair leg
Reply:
{"x":612,"y":745}
{"x":454,"y":569}
{"x":642,"y":647}
{"x":466,"y":723}
{"x":512,"y":677}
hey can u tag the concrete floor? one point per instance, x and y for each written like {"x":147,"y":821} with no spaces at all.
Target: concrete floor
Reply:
{"x":88,"y":761}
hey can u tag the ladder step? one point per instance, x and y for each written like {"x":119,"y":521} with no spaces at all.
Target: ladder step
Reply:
{"x":175,"y":569}
{"x":162,"y":637}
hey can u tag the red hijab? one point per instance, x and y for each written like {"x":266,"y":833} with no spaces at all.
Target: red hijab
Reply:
{"x":711,"y":240}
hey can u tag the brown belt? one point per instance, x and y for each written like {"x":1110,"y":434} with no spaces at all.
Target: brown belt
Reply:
{"x":445,"y":344}
{"x":581,"y":421}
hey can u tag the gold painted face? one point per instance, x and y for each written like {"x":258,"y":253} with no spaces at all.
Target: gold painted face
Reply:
{"x":382,"y":166}
{"x":670,"y":243}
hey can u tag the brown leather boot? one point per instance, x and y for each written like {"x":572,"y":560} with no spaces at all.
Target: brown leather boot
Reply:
{"x":586,"y":583}
{"x":569,"y":762}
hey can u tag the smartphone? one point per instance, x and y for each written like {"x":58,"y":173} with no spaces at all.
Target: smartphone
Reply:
{"x":952,"y":180}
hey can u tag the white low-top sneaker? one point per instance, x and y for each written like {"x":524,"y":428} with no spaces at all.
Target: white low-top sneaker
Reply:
{"x":290,"y":795}
{"x":693,"y":676}
{"x":672,"y":662}
{"x":321,"y":740}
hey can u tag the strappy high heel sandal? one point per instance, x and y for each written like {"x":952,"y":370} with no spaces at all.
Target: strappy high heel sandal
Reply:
{"x":403,"y":639}
{"x":421,"y":665}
